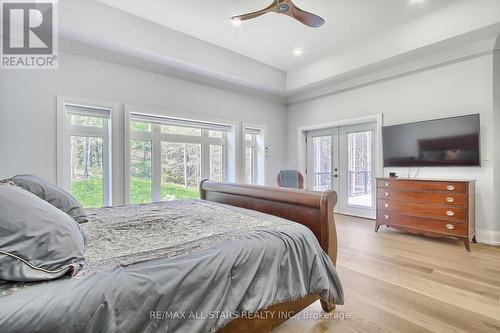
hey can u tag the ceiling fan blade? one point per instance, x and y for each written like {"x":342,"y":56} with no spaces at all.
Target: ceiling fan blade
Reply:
{"x":307,"y":18}
{"x":258,"y":13}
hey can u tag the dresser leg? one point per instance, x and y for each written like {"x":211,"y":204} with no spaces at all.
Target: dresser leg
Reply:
{"x":377,"y":226}
{"x":474,"y":239}
{"x":467,"y":244}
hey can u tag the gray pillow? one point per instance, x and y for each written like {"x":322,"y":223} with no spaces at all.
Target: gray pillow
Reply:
{"x":37,"y":241}
{"x":54,"y":195}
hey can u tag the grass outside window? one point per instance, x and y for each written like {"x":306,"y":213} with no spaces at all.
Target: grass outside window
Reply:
{"x":89,"y":191}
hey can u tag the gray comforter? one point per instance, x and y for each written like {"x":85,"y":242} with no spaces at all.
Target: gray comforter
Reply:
{"x":181,"y":266}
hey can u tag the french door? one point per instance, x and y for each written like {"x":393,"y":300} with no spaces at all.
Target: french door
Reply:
{"x":342,"y":159}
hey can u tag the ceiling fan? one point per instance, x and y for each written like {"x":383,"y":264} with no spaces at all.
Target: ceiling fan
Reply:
{"x":286,"y":7}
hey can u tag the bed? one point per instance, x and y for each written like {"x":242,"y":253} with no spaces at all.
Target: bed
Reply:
{"x":232,"y":261}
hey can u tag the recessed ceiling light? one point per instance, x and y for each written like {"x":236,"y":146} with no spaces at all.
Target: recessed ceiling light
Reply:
{"x":298,"y":52}
{"x":415,"y":2}
{"x":236,"y":22}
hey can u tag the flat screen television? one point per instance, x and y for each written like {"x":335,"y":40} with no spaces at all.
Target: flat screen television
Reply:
{"x":436,"y":143}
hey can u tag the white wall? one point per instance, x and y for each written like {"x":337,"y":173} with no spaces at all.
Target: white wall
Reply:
{"x":455,"y":89}
{"x":28,"y":109}
{"x":496,"y":125}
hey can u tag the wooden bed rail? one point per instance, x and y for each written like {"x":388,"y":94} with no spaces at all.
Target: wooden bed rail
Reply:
{"x":312,"y":209}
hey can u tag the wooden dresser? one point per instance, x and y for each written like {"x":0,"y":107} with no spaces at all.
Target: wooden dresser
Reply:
{"x":431,"y":207}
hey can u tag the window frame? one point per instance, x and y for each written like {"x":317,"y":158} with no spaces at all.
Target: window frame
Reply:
{"x":157,"y":137}
{"x":65,"y":131}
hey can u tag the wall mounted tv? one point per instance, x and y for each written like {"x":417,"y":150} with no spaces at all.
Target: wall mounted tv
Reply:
{"x":435,"y":143}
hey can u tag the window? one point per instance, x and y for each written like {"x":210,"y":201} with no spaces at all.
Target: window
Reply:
{"x":217,"y":162}
{"x":169,"y":157}
{"x":181,"y":165}
{"x":254,"y":156}
{"x":250,"y":158}
{"x":141,"y":171}
{"x":85,"y":150}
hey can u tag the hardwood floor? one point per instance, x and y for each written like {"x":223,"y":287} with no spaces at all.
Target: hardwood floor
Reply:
{"x":396,"y":282}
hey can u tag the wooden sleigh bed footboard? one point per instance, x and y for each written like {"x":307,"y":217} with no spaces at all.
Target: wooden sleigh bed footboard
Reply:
{"x":312,"y":209}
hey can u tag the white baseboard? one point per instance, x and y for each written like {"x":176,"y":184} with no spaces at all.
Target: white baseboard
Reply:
{"x":489,"y":237}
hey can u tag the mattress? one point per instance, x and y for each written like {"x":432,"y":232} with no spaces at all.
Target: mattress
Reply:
{"x":179,"y":266}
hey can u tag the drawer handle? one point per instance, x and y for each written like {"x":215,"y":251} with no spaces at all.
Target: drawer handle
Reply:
{"x":450,"y":226}
{"x":450,"y":199}
{"x":387,"y":194}
{"x":450,"y":188}
{"x":386,"y":217}
{"x":450,"y":213}
{"x":387,"y":184}
{"x":386,"y":205}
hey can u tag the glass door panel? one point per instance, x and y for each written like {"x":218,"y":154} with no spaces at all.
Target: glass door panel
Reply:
{"x":357,"y":170}
{"x":359,"y":148}
{"x":322,"y":153}
{"x":322,"y":163}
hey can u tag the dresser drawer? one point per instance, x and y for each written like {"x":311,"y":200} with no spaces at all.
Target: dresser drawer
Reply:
{"x":452,"y":199}
{"x":423,"y":224}
{"x":448,"y":213}
{"x":426,"y":186}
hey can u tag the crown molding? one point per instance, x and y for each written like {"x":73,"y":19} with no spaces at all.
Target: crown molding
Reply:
{"x":460,"y":48}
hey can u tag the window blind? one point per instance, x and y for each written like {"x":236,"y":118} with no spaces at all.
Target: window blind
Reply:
{"x":81,"y":110}
{"x":179,"y":122}
{"x":250,"y":130}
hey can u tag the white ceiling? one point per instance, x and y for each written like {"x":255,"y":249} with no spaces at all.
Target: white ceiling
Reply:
{"x":272,"y":38}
